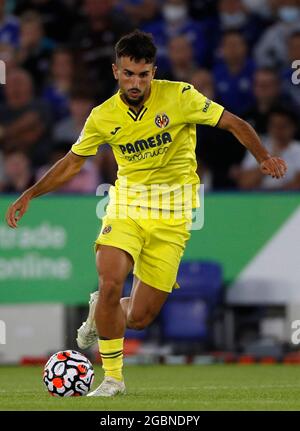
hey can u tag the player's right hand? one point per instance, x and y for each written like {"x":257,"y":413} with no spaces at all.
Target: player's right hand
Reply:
{"x":274,"y":166}
{"x":16,"y":210}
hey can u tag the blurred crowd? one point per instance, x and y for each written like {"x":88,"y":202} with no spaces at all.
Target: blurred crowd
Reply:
{"x":58,"y":56}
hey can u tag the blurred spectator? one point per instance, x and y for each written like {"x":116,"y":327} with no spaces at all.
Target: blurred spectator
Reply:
{"x":9,"y":27}
{"x":233,"y":74}
{"x":181,"y":58}
{"x":86,"y":181}
{"x":217,"y":150}
{"x":140,"y":11}
{"x":60,"y":82}
{"x":289,"y":87}
{"x":200,"y":9}
{"x":220,"y":36}
{"x":24,"y":121}
{"x":234,"y":15}
{"x":266,"y":88}
{"x":94,"y":41}
{"x":17,"y":172}
{"x":8,"y":55}
{"x":203,"y":81}
{"x":2,"y":178}
{"x":206,"y":11}
{"x":279,"y":142}
{"x":56,"y":16}
{"x":69,"y":128}
{"x":35,"y":49}
{"x":264,"y":8}
{"x":175,"y":21}
{"x":271,"y":49}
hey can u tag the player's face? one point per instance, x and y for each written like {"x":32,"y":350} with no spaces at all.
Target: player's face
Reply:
{"x":134,"y":79}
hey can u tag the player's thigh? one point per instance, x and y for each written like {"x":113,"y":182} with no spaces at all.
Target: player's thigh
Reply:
{"x":145,"y":301}
{"x":113,"y":264}
{"x":119,"y":241}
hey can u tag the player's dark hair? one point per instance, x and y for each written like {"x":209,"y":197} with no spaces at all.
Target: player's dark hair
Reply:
{"x":138,"y":46}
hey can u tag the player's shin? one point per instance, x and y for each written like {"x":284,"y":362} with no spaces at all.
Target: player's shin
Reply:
{"x":111,"y":325}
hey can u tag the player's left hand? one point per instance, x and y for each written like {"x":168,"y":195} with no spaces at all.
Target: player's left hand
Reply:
{"x":273,"y":166}
{"x":16,"y":210}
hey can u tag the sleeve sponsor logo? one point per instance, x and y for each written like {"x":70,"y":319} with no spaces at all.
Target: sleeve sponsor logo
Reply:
{"x":206,"y":105}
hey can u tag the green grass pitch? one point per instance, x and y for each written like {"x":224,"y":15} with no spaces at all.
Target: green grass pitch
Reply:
{"x":166,"y":387}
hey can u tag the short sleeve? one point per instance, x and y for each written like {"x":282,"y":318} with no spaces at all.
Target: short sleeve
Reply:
{"x":197,"y":108}
{"x":89,"y":139}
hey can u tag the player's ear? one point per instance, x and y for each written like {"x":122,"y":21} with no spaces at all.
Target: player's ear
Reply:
{"x":154,"y":71}
{"x":115,"y":71}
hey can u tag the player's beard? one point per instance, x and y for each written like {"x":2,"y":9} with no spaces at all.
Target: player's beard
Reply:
{"x":133,"y":102}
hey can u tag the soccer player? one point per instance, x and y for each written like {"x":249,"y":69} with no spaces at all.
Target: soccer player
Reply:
{"x":150,"y":125}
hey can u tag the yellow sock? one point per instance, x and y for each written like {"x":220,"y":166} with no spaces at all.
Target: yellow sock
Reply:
{"x":111,"y":352}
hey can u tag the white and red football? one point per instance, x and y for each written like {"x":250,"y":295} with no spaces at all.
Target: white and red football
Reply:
{"x":68,"y":373}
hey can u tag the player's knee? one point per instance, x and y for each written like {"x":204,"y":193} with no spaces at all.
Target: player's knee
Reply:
{"x":110,"y":291}
{"x":138,"y":325}
{"x":139,"y":321}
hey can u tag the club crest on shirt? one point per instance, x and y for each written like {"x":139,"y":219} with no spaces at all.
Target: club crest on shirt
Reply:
{"x":162,"y":120}
{"x":107,"y":229}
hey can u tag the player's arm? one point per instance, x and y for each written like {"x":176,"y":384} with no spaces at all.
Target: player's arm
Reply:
{"x":244,"y":132}
{"x":58,"y":174}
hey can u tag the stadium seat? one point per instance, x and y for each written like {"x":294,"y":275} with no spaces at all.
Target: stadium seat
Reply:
{"x":200,"y":279}
{"x":136,"y":335}
{"x":190,"y":309}
{"x":185,"y":319}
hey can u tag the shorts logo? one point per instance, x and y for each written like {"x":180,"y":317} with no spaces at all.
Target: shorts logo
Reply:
{"x":162,"y":120}
{"x":107,"y":229}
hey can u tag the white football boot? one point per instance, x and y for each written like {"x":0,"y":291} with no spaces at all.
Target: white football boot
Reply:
{"x":109,"y":388}
{"x":87,"y":333}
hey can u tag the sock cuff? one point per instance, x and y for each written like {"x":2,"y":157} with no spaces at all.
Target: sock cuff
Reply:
{"x":108,"y":346}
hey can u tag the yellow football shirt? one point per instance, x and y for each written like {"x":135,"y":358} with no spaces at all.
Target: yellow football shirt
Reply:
{"x":154,"y":148}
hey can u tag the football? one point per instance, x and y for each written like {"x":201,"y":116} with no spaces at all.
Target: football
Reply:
{"x":68,"y":373}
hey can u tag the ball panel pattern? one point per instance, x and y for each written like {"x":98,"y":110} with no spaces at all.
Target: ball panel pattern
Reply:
{"x":68,"y":373}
